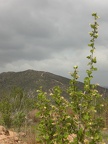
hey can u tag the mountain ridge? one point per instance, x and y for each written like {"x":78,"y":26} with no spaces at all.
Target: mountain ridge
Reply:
{"x":31,"y":80}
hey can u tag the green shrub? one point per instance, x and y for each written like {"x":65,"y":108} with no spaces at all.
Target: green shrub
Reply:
{"x":14,"y":108}
{"x":5,"y":109}
{"x":82,"y":125}
{"x":19,"y":120}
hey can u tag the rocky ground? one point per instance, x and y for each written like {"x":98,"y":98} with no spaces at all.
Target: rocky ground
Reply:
{"x":10,"y":137}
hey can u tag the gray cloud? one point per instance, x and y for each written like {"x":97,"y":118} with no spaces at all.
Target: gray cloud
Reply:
{"x":51,"y":35}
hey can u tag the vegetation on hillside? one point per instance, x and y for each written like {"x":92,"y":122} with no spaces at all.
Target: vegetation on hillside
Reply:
{"x":14,"y":108}
{"x":31,"y":80}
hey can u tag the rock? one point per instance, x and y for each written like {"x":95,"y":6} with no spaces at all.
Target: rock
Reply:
{"x":4,"y":131}
{"x":22,"y":134}
{"x":16,"y":139}
{"x":7,"y":132}
{"x":10,"y":137}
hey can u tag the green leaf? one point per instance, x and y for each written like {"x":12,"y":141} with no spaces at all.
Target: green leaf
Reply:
{"x":91,"y":44}
{"x":89,"y":72}
{"x":92,"y":50}
{"x":89,"y":57}
{"x":86,"y":117}
{"x":94,"y":14}
{"x":94,"y":68}
{"x":93,"y":26}
{"x":94,"y":60}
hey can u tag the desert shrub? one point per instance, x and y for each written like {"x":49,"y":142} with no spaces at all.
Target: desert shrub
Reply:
{"x":19,"y":119}
{"x":83,"y":126}
{"x":5,"y":109}
{"x":14,"y":107}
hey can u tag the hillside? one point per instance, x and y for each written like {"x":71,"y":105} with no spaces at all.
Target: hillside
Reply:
{"x":31,"y":80}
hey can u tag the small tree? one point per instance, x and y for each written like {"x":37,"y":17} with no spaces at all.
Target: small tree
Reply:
{"x":84,"y":103}
{"x":83,"y":125}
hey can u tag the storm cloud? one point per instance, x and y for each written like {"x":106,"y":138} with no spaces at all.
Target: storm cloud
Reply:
{"x":52,"y":35}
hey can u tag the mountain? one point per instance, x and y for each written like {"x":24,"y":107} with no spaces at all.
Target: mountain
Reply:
{"x":31,"y":80}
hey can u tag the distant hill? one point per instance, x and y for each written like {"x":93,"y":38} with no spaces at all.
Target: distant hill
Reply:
{"x":31,"y":80}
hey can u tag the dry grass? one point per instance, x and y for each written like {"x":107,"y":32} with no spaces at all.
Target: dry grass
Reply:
{"x":105,"y":135}
{"x":32,"y":116}
{"x":31,"y":135}
{"x":31,"y":139}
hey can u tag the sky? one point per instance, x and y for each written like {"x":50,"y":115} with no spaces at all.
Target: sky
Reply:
{"x":52,"y":36}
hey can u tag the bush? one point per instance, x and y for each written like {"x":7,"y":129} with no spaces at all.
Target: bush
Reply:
{"x":19,"y":120}
{"x":82,"y":125}
{"x":5,"y":109}
{"x":14,"y":108}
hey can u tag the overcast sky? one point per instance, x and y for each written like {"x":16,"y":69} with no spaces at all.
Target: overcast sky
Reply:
{"x":52,"y":36}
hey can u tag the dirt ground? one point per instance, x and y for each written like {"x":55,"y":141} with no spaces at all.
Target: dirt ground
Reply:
{"x":10,"y":137}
